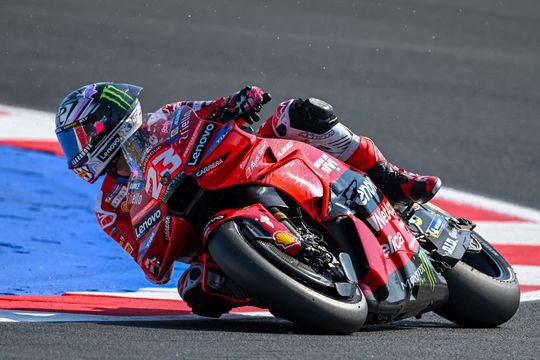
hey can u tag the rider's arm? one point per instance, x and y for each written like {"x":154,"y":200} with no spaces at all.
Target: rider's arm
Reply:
{"x":204,"y":109}
{"x":242,"y":105}
{"x":113,"y":216}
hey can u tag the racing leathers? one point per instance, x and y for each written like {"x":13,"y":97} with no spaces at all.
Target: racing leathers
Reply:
{"x":311,"y":121}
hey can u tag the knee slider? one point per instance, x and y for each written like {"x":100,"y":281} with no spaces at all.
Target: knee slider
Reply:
{"x":312,"y":115}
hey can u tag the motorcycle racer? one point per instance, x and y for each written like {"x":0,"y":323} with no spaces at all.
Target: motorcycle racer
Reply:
{"x":95,"y":125}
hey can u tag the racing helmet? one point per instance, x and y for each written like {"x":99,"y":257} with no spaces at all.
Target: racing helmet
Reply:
{"x":92,"y":124}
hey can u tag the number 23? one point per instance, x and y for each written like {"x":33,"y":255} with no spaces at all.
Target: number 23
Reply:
{"x":170,"y":162}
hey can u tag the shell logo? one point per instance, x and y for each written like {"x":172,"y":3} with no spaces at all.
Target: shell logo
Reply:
{"x":287,"y":241}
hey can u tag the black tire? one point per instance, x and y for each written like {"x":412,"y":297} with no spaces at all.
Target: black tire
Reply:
{"x":483,"y":289}
{"x":279,"y":292}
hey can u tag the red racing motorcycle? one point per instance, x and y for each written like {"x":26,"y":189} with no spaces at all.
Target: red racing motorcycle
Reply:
{"x":304,"y":234}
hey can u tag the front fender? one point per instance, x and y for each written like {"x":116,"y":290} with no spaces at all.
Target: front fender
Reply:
{"x":261,"y":221}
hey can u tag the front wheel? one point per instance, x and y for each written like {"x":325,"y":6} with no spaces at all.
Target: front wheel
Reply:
{"x":483,"y":289}
{"x":278,"y":291}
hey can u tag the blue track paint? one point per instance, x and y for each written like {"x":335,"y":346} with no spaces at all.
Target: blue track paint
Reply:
{"x":50,"y":242}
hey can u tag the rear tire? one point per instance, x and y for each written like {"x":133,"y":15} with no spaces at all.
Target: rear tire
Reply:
{"x":278,"y":291}
{"x":483,"y":288}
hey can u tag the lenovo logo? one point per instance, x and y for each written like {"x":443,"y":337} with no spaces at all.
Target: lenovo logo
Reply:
{"x":147,"y":222}
{"x":113,"y":145}
{"x":202,"y":143}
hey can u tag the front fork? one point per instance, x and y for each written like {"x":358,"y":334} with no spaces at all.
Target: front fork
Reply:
{"x":345,"y":288}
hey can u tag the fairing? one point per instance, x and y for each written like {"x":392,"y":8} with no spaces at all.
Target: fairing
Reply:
{"x":215,"y":158}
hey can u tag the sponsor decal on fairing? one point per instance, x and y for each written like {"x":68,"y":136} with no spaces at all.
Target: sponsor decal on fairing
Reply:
{"x":436,"y":226}
{"x":210,"y":222}
{"x":287,"y":242}
{"x":425,"y":269}
{"x":284,"y":149}
{"x":327,"y":164}
{"x":172,"y":185}
{"x":201,"y":144}
{"x":382,"y":216}
{"x":266,"y":220}
{"x":213,"y":165}
{"x":395,"y":243}
{"x":167,"y":228}
{"x":257,"y":159}
{"x":220,"y":136}
{"x":449,"y":246}
{"x":366,"y":191}
{"x":180,"y":125}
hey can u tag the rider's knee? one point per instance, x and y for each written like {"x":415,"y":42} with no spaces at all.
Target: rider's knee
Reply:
{"x":313,"y":115}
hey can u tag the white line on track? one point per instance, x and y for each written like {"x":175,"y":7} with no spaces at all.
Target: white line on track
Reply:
{"x":530,"y":296}
{"x":142,"y":293}
{"x":509,"y":233}
{"x":33,"y":316}
{"x":528,"y":275}
{"x":26,"y":124}
{"x":499,"y":206}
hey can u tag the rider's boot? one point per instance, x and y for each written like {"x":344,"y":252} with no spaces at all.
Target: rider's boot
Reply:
{"x":313,"y":121}
{"x":398,"y":185}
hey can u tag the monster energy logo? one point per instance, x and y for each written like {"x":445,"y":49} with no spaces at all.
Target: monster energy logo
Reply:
{"x":430,"y":271}
{"x":418,"y":277}
{"x":117,"y":96}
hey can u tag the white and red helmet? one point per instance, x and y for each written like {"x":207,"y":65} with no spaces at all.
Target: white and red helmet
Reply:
{"x":92,"y":124}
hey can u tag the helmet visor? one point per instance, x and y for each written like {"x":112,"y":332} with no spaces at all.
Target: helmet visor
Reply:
{"x":79,"y":138}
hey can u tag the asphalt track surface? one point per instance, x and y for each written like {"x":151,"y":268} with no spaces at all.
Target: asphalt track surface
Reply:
{"x":263,"y":338}
{"x":443,"y":88}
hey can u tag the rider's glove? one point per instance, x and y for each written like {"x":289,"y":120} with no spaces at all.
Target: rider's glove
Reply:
{"x":245,"y":104}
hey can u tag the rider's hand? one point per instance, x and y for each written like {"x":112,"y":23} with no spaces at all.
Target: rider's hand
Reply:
{"x":245,"y":104}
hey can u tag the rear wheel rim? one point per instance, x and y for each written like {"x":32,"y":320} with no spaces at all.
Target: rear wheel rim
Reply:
{"x":488,"y":261}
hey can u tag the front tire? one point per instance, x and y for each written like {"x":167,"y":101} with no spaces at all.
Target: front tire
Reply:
{"x":483,"y":288}
{"x":278,"y":291}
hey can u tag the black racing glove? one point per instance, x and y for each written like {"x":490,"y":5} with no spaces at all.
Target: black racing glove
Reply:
{"x":245,"y":105}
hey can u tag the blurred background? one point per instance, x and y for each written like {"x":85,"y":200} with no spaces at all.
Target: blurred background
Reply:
{"x":445,"y":88}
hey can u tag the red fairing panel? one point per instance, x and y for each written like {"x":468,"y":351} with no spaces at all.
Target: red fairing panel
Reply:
{"x":307,"y":186}
{"x":164,"y":239}
{"x":397,"y":242}
{"x":390,"y":251}
{"x":281,"y":235}
{"x":278,"y":163}
{"x":377,"y":275}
